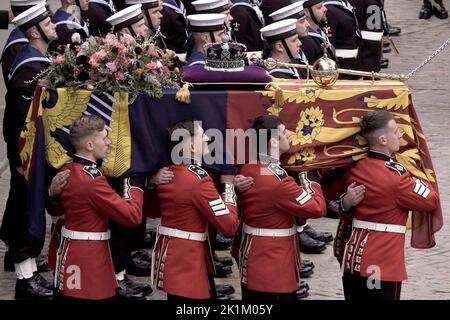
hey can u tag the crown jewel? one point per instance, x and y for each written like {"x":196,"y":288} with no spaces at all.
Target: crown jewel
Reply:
{"x":227,"y":56}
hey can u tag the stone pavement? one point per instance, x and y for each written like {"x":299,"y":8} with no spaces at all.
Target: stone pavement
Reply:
{"x":428,"y":269}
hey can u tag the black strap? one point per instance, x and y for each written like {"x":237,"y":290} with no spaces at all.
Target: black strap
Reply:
{"x":130,"y":28}
{"x":43,"y":35}
{"x":213,"y":38}
{"x":313,"y":16}
{"x":149,"y":20}
{"x":283,"y":41}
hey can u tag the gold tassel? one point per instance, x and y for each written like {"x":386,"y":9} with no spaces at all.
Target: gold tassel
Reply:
{"x":183,"y":95}
{"x":279,"y":96}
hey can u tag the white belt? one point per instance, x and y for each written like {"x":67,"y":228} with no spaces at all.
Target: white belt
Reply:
{"x":347,"y":53}
{"x":269,"y":232}
{"x":80,"y":235}
{"x":188,"y":235}
{"x":378,"y":226}
{"x":371,"y":35}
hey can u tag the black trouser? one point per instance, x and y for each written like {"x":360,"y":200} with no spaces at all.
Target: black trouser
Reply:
{"x":356,"y":288}
{"x":301,"y":221}
{"x":14,"y":229}
{"x":251,"y":295}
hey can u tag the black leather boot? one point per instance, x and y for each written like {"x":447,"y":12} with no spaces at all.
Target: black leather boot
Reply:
{"x":224,"y":289}
{"x":310,"y":245}
{"x":426,"y":11}
{"x":126,"y":291}
{"x":31,"y":289}
{"x":302,"y":291}
{"x":316,"y":235}
{"x":439,"y":10}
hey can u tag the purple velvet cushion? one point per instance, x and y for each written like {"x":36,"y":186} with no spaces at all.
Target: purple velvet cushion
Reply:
{"x":251,"y":75}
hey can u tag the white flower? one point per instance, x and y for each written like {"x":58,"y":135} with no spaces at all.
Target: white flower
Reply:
{"x":76,"y":38}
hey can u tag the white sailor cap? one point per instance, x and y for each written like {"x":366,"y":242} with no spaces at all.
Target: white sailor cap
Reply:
{"x":206,"y":22}
{"x":292,"y":11}
{"x":22,"y":5}
{"x":211,"y":6}
{"x":126,"y":17}
{"x":146,"y":4}
{"x":279,"y":30}
{"x":32,"y":16}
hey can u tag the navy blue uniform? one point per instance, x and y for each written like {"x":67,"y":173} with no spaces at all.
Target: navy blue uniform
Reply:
{"x":95,"y":17}
{"x":247,"y":23}
{"x":66,"y":26}
{"x":13,"y":45}
{"x":14,"y":230}
{"x":173,"y":25}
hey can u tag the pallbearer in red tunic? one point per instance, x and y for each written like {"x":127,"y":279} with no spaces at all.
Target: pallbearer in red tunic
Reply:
{"x":269,"y":257}
{"x":84,"y":267}
{"x":373,"y":261}
{"x":182,"y":257}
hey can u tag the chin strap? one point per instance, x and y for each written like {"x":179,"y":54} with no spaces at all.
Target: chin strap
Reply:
{"x":213,"y":38}
{"x":313,"y":16}
{"x":130,"y":28}
{"x":42,"y":33}
{"x":149,"y":21}
{"x":288,"y":51}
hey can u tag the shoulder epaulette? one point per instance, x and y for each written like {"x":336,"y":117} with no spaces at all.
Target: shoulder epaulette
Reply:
{"x":92,"y":171}
{"x":395,"y":166}
{"x":198,"y":171}
{"x":278,"y":171}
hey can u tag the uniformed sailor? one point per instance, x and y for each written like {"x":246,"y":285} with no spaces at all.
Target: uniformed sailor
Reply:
{"x":295,"y":11}
{"x":174,"y":25}
{"x":368,"y":11}
{"x":36,"y":24}
{"x":345,"y":34}
{"x":314,"y":43}
{"x":283,"y":46}
{"x":130,"y":21}
{"x":217,"y":6}
{"x":152,"y":10}
{"x":68,"y":21}
{"x":17,"y":38}
{"x":96,"y":15}
{"x":205,"y":28}
{"x":247,"y":21}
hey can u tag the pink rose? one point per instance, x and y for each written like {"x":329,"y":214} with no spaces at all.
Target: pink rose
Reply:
{"x":110,"y":39}
{"x":94,"y":75}
{"x":93,"y":61}
{"x":89,"y":87}
{"x":59,"y":59}
{"x":152,"y":65}
{"x":112,"y":66}
{"x":121,"y":76}
{"x":170,"y":52}
{"x":101,"y":54}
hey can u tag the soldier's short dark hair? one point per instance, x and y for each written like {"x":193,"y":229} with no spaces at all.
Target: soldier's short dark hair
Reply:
{"x":373,"y":121}
{"x":83,"y":127}
{"x":187,"y":128}
{"x":263,"y":126}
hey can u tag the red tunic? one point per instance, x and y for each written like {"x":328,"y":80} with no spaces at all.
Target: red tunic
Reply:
{"x":271,"y":264}
{"x":85,"y":269}
{"x":390,"y":193}
{"x":188,"y":203}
